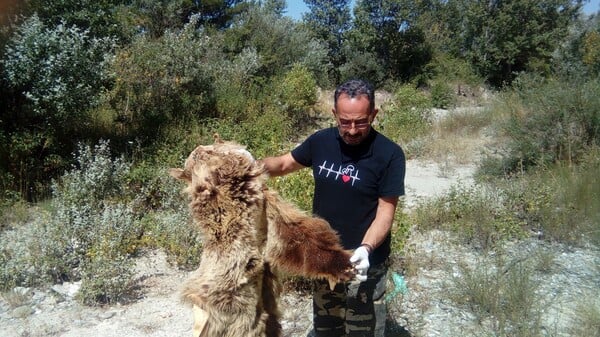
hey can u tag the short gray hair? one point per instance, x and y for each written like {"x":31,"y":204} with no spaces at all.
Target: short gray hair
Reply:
{"x":355,"y":88}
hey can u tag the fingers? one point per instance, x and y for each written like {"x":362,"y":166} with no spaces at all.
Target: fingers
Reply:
{"x":361,"y":278}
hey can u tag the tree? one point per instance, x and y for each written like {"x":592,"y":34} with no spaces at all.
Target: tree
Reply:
{"x":329,"y":21}
{"x":279,"y":42}
{"x":53,"y":76}
{"x":388,"y":29}
{"x":157,"y":16}
{"x":99,"y":17}
{"x":503,"y":38}
{"x":274,"y":6}
{"x":220,"y":13}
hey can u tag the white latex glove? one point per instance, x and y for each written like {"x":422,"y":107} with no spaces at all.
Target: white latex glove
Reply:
{"x":360,"y":260}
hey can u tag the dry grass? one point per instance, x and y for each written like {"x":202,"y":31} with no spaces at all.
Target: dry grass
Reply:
{"x":16,"y":297}
{"x":458,"y":137}
{"x":587,"y":321}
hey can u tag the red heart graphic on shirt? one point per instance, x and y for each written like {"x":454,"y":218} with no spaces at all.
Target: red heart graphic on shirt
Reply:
{"x":345,"y":178}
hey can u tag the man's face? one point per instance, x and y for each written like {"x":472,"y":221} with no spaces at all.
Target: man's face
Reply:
{"x":353,"y":118}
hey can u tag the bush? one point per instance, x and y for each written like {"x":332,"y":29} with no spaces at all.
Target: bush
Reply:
{"x":91,"y":225}
{"x":297,"y":93}
{"x":547,"y":122}
{"x":176,"y":234}
{"x":161,"y":81}
{"x":480,"y":216}
{"x":561,"y":203}
{"x":407,"y":117}
{"x":442,"y":95}
{"x":502,"y":296}
{"x":60,"y":71}
{"x":297,"y":188}
{"x":54,"y":76}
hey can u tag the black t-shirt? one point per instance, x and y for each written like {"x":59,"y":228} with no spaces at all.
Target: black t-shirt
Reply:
{"x":349,"y":180}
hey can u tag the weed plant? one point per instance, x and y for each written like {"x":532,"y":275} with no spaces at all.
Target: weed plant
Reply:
{"x":502,"y":295}
{"x":561,"y":203}
{"x":476,"y":214}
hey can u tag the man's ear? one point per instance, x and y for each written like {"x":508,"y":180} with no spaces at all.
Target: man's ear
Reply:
{"x":180,"y":174}
{"x":374,"y":114}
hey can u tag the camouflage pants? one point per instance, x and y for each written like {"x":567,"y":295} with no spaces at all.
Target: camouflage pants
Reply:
{"x":352,"y":309}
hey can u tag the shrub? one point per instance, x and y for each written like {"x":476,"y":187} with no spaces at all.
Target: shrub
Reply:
{"x":54,"y":75}
{"x":561,"y":203}
{"x":407,"y":117}
{"x":235,"y":86}
{"x":266,"y":132}
{"x":278,"y":41}
{"x":163,"y":80}
{"x":297,"y":94}
{"x":91,"y":230}
{"x":298,"y":188}
{"x":479,"y":215}
{"x":501,"y":295}
{"x":106,"y":280}
{"x":106,"y":268}
{"x":546,"y":122}
{"x":59,"y":70}
{"x":442,"y":95}
{"x":587,"y":317}
{"x":175,"y":232}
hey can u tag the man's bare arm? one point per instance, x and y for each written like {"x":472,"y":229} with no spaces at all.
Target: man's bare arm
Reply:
{"x":382,"y":224}
{"x":281,"y":165}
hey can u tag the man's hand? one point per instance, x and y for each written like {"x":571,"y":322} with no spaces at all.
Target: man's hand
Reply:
{"x":360,"y":260}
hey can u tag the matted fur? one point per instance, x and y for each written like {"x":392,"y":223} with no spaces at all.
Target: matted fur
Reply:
{"x":250,"y":234}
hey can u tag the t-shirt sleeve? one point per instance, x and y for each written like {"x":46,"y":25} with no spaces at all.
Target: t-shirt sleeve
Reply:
{"x":302,"y":153}
{"x":392,"y":182}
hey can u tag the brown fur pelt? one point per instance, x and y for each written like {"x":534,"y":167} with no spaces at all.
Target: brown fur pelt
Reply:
{"x":250,"y":235}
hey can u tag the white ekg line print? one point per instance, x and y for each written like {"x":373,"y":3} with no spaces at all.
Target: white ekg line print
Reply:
{"x":338,"y":172}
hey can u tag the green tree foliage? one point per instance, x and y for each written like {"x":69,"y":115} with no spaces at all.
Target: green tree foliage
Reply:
{"x":157,"y":16}
{"x":298,"y":94}
{"x":388,"y":30}
{"x":591,"y":51}
{"x":278,"y":41}
{"x":99,"y":17}
{"x":275,"y":6}
{"x":220,"y":13}
{"x":162,"y":80}
{"x":438,"y":19}
{"x":568,"y":59}
{"x":53,"y":75}
{"x":503,"y":38}
{"x":329,"y":21}
{"x":154,"y":17}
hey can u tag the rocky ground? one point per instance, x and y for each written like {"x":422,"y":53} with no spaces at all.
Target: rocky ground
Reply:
{"x":425,"y":310}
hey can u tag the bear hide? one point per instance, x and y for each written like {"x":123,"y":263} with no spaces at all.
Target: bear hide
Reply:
{"x":250,"y":235}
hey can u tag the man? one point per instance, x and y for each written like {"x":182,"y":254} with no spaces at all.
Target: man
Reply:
{"x":359,"y":175}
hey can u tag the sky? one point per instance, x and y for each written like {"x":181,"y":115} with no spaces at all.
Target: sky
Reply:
{"x":295,"y":8}
{"x":590,"y":8}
